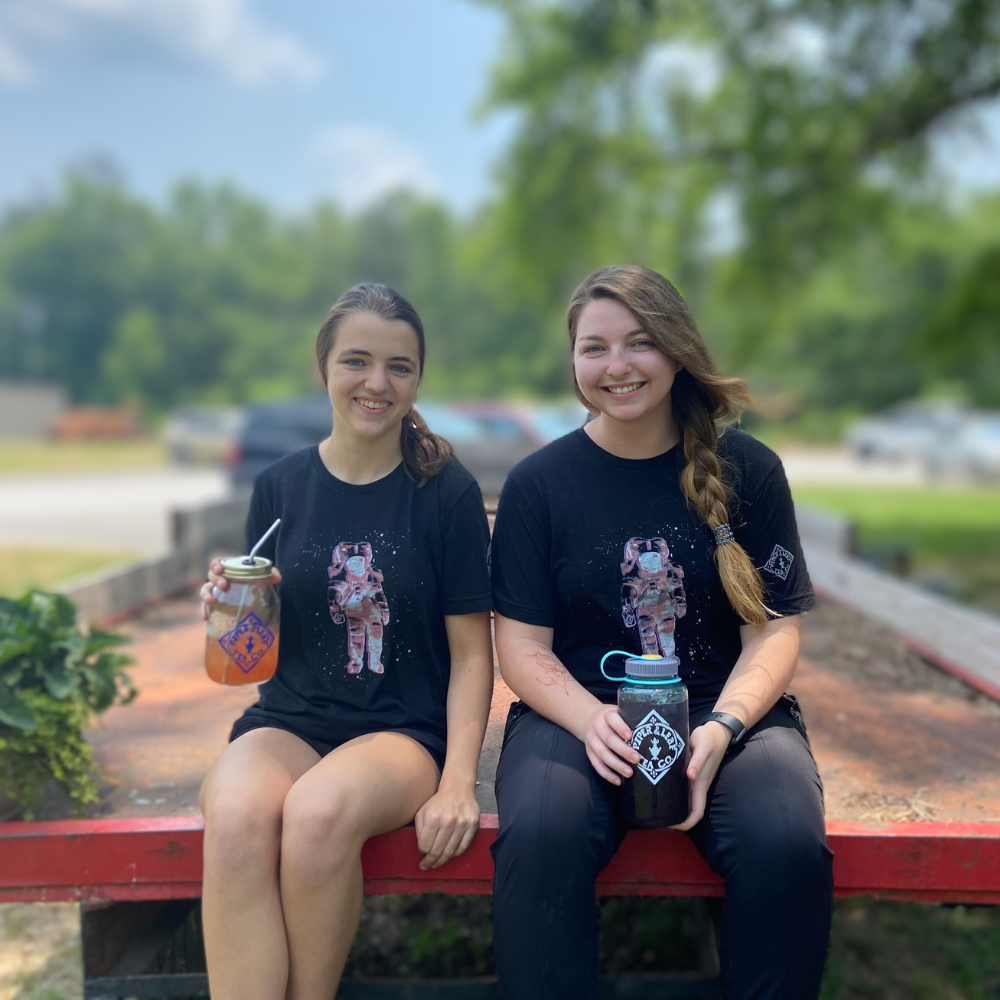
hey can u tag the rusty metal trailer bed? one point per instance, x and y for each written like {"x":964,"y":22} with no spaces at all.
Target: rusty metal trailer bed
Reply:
{"x":920,"y":748}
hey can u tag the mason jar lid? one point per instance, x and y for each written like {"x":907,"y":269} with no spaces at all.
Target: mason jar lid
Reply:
{"x":244,"y":568}
{"x":651,"y":667}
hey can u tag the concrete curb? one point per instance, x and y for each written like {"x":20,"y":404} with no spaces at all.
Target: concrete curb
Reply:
{"x":961,"y":640}
{"x":198,"y":534}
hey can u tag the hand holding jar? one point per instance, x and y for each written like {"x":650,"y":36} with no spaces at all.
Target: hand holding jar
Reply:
{"x":243,"y":612}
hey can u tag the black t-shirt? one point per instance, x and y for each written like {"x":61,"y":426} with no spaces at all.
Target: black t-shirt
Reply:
{"x":609,"y":553}
{"x":368,"y":574}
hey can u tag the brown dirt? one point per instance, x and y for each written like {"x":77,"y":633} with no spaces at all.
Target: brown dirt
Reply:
{"x":40,"y":951}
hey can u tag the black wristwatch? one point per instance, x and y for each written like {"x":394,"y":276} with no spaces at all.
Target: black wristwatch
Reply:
{"x":730,"y":722}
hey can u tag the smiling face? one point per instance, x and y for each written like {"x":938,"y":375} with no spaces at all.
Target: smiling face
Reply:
{"x":620,"y":370}
{"x":372,"y":373}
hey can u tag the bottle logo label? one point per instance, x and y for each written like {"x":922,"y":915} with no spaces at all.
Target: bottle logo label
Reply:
{"x":248,"y":642}
{"x":659,"y":744}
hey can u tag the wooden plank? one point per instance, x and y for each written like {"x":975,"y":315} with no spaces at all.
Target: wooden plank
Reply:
{"x":133,"y":859}
{"x":961,"y":640}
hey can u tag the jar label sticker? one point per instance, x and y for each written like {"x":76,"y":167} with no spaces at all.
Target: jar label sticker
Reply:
{"x":248,"y":642}
{"x":659,"y":744}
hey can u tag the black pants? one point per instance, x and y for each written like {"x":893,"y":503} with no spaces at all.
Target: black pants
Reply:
{"x":763,"y":832}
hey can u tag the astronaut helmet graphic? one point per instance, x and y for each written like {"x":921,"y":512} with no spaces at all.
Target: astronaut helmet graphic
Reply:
{"x":355,"y":598}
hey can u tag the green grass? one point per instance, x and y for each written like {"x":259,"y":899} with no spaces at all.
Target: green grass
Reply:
{"x":22,"y":568}
{"x":30,"y":457}
{"x":912,"y":951}
{"x":952,"y":534}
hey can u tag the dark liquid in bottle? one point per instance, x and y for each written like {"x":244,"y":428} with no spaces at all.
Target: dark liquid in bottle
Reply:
{"x":657,"y":792}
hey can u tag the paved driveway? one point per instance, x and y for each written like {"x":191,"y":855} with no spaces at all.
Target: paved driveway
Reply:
{"x":130,"y":510}
{"x":119,"y":510}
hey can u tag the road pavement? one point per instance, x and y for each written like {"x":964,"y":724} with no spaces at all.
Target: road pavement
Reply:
{"x":130,"y":510}
{"x":836,"y":466}
{"x":109,"y":511}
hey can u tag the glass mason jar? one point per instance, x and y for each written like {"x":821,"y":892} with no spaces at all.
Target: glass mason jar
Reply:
{"x":241,"y":639}
{"x":653,"y":702}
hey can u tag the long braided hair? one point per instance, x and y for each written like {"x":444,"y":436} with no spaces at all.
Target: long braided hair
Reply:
{"x":703,"y":402}
{"x":425,"y":453}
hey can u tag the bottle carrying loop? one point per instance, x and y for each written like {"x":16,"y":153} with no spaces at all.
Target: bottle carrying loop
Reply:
{"x":659,"y":681}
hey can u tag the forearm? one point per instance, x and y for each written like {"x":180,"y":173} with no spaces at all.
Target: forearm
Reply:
{"x":763,"y":671}
{"x":535,"y":674}
{"x":470,"y":691}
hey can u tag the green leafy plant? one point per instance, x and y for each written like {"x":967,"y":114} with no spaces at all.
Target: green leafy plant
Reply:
{"x":53,"y":679}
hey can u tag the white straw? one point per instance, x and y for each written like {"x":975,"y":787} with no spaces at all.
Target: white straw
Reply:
{"x":246,"y":591}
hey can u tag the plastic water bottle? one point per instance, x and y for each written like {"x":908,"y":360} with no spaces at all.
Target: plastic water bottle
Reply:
{"x":653,"y":702}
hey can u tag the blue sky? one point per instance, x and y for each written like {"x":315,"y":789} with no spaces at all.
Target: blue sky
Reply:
{"x":293,"y":100}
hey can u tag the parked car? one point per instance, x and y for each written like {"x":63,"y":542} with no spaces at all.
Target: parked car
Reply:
{"x":274,"y":430}
{"x":973,"y":452}
{"x":538,"y":423}
{"x":549,"y":421}
{"x":202,"y":435}
{"x":488,"y":438}
{"x":907,"y":430}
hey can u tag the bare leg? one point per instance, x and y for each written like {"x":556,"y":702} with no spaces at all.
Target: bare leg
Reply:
{"x":242,"y":800}
{"x":371,"y":785}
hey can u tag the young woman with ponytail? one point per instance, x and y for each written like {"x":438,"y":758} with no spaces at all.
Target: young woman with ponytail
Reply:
{"x":660,"y":485}
{"x":376,"y":713}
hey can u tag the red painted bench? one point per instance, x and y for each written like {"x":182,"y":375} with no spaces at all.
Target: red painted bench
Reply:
{"x":159,"y":859}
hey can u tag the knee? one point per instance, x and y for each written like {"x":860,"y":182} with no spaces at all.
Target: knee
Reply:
{"x":242,"y":833}
{"x":320,"y":833}
{"x":789,"y":857}
{"x":559,"y":838}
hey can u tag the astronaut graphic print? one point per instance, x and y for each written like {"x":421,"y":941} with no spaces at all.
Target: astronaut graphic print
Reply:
{"x":652,"y":594}
{"x":356,"y":598}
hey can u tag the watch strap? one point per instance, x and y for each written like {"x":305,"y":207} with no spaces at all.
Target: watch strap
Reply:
{"x":731,"y":723}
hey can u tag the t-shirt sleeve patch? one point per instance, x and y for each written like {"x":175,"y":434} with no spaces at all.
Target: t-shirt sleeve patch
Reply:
{"x":780,"y":562}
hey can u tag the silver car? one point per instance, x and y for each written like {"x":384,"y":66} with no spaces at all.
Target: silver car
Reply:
{"x":973,"y":452}
{"x":908,"y":430}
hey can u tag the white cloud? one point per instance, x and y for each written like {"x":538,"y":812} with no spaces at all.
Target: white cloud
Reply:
{"x":13,"y":68}
{"x":224,"y":34}
{"x":357,"y":164}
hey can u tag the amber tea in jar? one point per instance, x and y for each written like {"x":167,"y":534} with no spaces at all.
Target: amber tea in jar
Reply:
{"x":241,"y":639}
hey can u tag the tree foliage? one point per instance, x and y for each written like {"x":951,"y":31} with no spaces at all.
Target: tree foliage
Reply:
{"x":217,"y":297}
{"x":807,"y":123}
{"x":773,"y":157}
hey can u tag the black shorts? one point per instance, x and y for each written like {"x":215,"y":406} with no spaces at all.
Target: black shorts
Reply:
{"x":245,"y":723}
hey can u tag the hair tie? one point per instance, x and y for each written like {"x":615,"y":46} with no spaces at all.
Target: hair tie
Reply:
{"x":723,"y":534}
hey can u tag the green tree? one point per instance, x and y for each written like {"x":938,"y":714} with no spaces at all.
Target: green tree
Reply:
{"x":811,"y":120}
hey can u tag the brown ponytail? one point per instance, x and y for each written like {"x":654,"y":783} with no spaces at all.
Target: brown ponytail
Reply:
{"x":703,"y":402}
{"x":425,"y":453}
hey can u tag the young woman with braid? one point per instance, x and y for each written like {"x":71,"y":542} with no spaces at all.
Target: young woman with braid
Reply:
{"x":658,"y":525}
